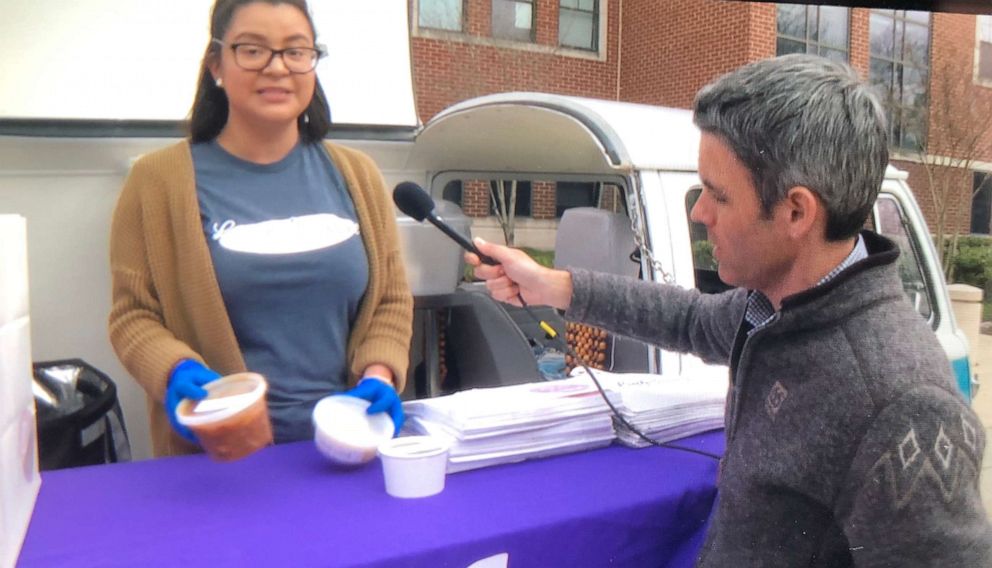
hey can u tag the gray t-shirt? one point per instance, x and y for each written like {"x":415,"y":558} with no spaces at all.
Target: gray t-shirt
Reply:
{"x":292,"y":269}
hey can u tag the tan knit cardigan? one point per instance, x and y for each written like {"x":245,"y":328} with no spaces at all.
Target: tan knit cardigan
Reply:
{"x":167,"y":304}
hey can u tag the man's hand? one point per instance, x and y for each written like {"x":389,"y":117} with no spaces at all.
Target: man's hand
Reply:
{"x":186,"y":381}
{"x":518,"y":274}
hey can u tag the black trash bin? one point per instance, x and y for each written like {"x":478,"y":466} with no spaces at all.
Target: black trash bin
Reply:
{"x":79,"y":417}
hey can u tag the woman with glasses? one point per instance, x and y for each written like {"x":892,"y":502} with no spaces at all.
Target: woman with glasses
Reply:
{"x":254,"y":245}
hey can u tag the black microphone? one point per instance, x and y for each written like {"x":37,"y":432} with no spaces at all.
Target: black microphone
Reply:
{"x":414,"y":202}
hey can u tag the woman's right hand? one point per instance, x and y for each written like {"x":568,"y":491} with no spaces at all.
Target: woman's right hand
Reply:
{"x":518,"y":275}
{"x":186,"y":381}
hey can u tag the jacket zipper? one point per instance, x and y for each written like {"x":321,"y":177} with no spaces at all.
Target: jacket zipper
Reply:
{"x":737,"y":390}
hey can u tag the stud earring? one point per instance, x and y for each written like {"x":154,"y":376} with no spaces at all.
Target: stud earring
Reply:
{"x":219,"y":82}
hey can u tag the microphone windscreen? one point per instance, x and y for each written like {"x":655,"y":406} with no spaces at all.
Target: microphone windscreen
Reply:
{"x":412,"y":200}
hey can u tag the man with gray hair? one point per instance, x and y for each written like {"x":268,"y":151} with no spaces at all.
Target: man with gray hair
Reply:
{"x":847,"y":443}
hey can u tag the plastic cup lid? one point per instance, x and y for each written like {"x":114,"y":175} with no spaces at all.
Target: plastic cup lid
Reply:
{"x":412,"y":447}
{"x":226,"y":397}
{"x":345,"y":419}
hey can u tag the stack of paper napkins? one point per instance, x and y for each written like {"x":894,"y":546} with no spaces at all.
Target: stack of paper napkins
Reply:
{"x":19,"y":479}
{"x":498,"y":425}
{"x":664,"y":409}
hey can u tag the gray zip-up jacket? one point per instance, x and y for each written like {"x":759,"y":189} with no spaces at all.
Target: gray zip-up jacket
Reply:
{"x":847,"y":441}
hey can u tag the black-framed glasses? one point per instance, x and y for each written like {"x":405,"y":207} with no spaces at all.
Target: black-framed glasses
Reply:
{"x":255,"y":57}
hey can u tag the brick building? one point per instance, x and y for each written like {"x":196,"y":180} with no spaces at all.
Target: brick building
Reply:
{"x":933,"y":69}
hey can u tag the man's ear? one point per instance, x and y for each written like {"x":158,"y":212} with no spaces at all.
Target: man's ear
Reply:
{"x":803,"y":210}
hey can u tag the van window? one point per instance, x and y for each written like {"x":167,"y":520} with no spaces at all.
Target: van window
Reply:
{"x":570,"y":194}
{"x":892,"y":223}
{"x":566,"y":220}
{"x":704,"y":266}
{"x":526,"y":210}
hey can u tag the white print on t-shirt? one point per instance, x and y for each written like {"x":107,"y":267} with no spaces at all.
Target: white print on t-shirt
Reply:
{"x":285,"y":236}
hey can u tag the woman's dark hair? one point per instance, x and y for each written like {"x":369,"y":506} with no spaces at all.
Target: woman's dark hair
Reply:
{"x":209,"y":113}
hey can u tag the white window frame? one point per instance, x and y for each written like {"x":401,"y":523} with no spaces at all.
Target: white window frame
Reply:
{"x":816,"y":43}
{"x":416,"y":30}
{"x":899,"y":59}
{"x":533,"y":21}
{"x":467,"y":38}
{"x":597,"y":14}
{"x":982,"y":21}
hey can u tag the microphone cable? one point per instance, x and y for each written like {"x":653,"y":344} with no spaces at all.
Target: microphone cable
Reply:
{"x":555,"y":337}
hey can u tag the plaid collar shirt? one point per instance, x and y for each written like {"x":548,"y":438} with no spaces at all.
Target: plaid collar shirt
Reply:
{"x":759,"y":310}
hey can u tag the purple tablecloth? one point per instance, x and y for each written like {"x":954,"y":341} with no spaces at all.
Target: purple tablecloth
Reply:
{"x":286,"y":506}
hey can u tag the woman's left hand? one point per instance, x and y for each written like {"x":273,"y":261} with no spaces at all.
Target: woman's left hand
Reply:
{"x":383,"y":398}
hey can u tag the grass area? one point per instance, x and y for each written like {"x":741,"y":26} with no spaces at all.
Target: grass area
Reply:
{"x":542,"y":257}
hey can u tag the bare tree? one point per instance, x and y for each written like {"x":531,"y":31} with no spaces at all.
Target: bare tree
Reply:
{"x":952,"y":143}
{"x":503,"y":194}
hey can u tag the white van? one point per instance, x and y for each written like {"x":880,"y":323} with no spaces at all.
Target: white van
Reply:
{"x":648,"y":155}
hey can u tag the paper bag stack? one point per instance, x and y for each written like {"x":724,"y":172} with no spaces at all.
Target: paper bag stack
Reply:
{"x":664,"y":409}
{"x":19,"y":479}
{"x":491,"y":426}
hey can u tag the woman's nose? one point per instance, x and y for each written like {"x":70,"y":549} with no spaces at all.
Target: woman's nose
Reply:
{"x":272,"y":67}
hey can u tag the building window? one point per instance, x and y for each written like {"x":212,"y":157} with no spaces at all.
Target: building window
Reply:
{"x":570,"y":194}
{"x":513,"y":19}
{"x":521,"y":207}
{"x":440,"y":14}
{"x":899,"y":67}
{"x":981,"y":204}
{"x":985,"y":48}
{"x":578,"y":24}
{"x":822,"y":30}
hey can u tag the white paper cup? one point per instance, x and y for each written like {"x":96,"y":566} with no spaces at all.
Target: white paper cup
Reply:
{"x":414,"y":466}
{"x":344,"y":431}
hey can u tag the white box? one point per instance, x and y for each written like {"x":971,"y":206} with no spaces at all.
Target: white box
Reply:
{"x":19,"y":478}
{"x":13,"y":268}
{"x":15,"y":370}
{"x":19,"y":483}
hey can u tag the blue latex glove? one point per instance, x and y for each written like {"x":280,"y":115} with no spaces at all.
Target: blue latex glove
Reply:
{"x":186,"y":381}
{"x":383,"y":397}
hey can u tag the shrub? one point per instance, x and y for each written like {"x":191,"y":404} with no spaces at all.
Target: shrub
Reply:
{"x":542,"y":257}
{"x":973,"y":262}
{"x":702,"y":255}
